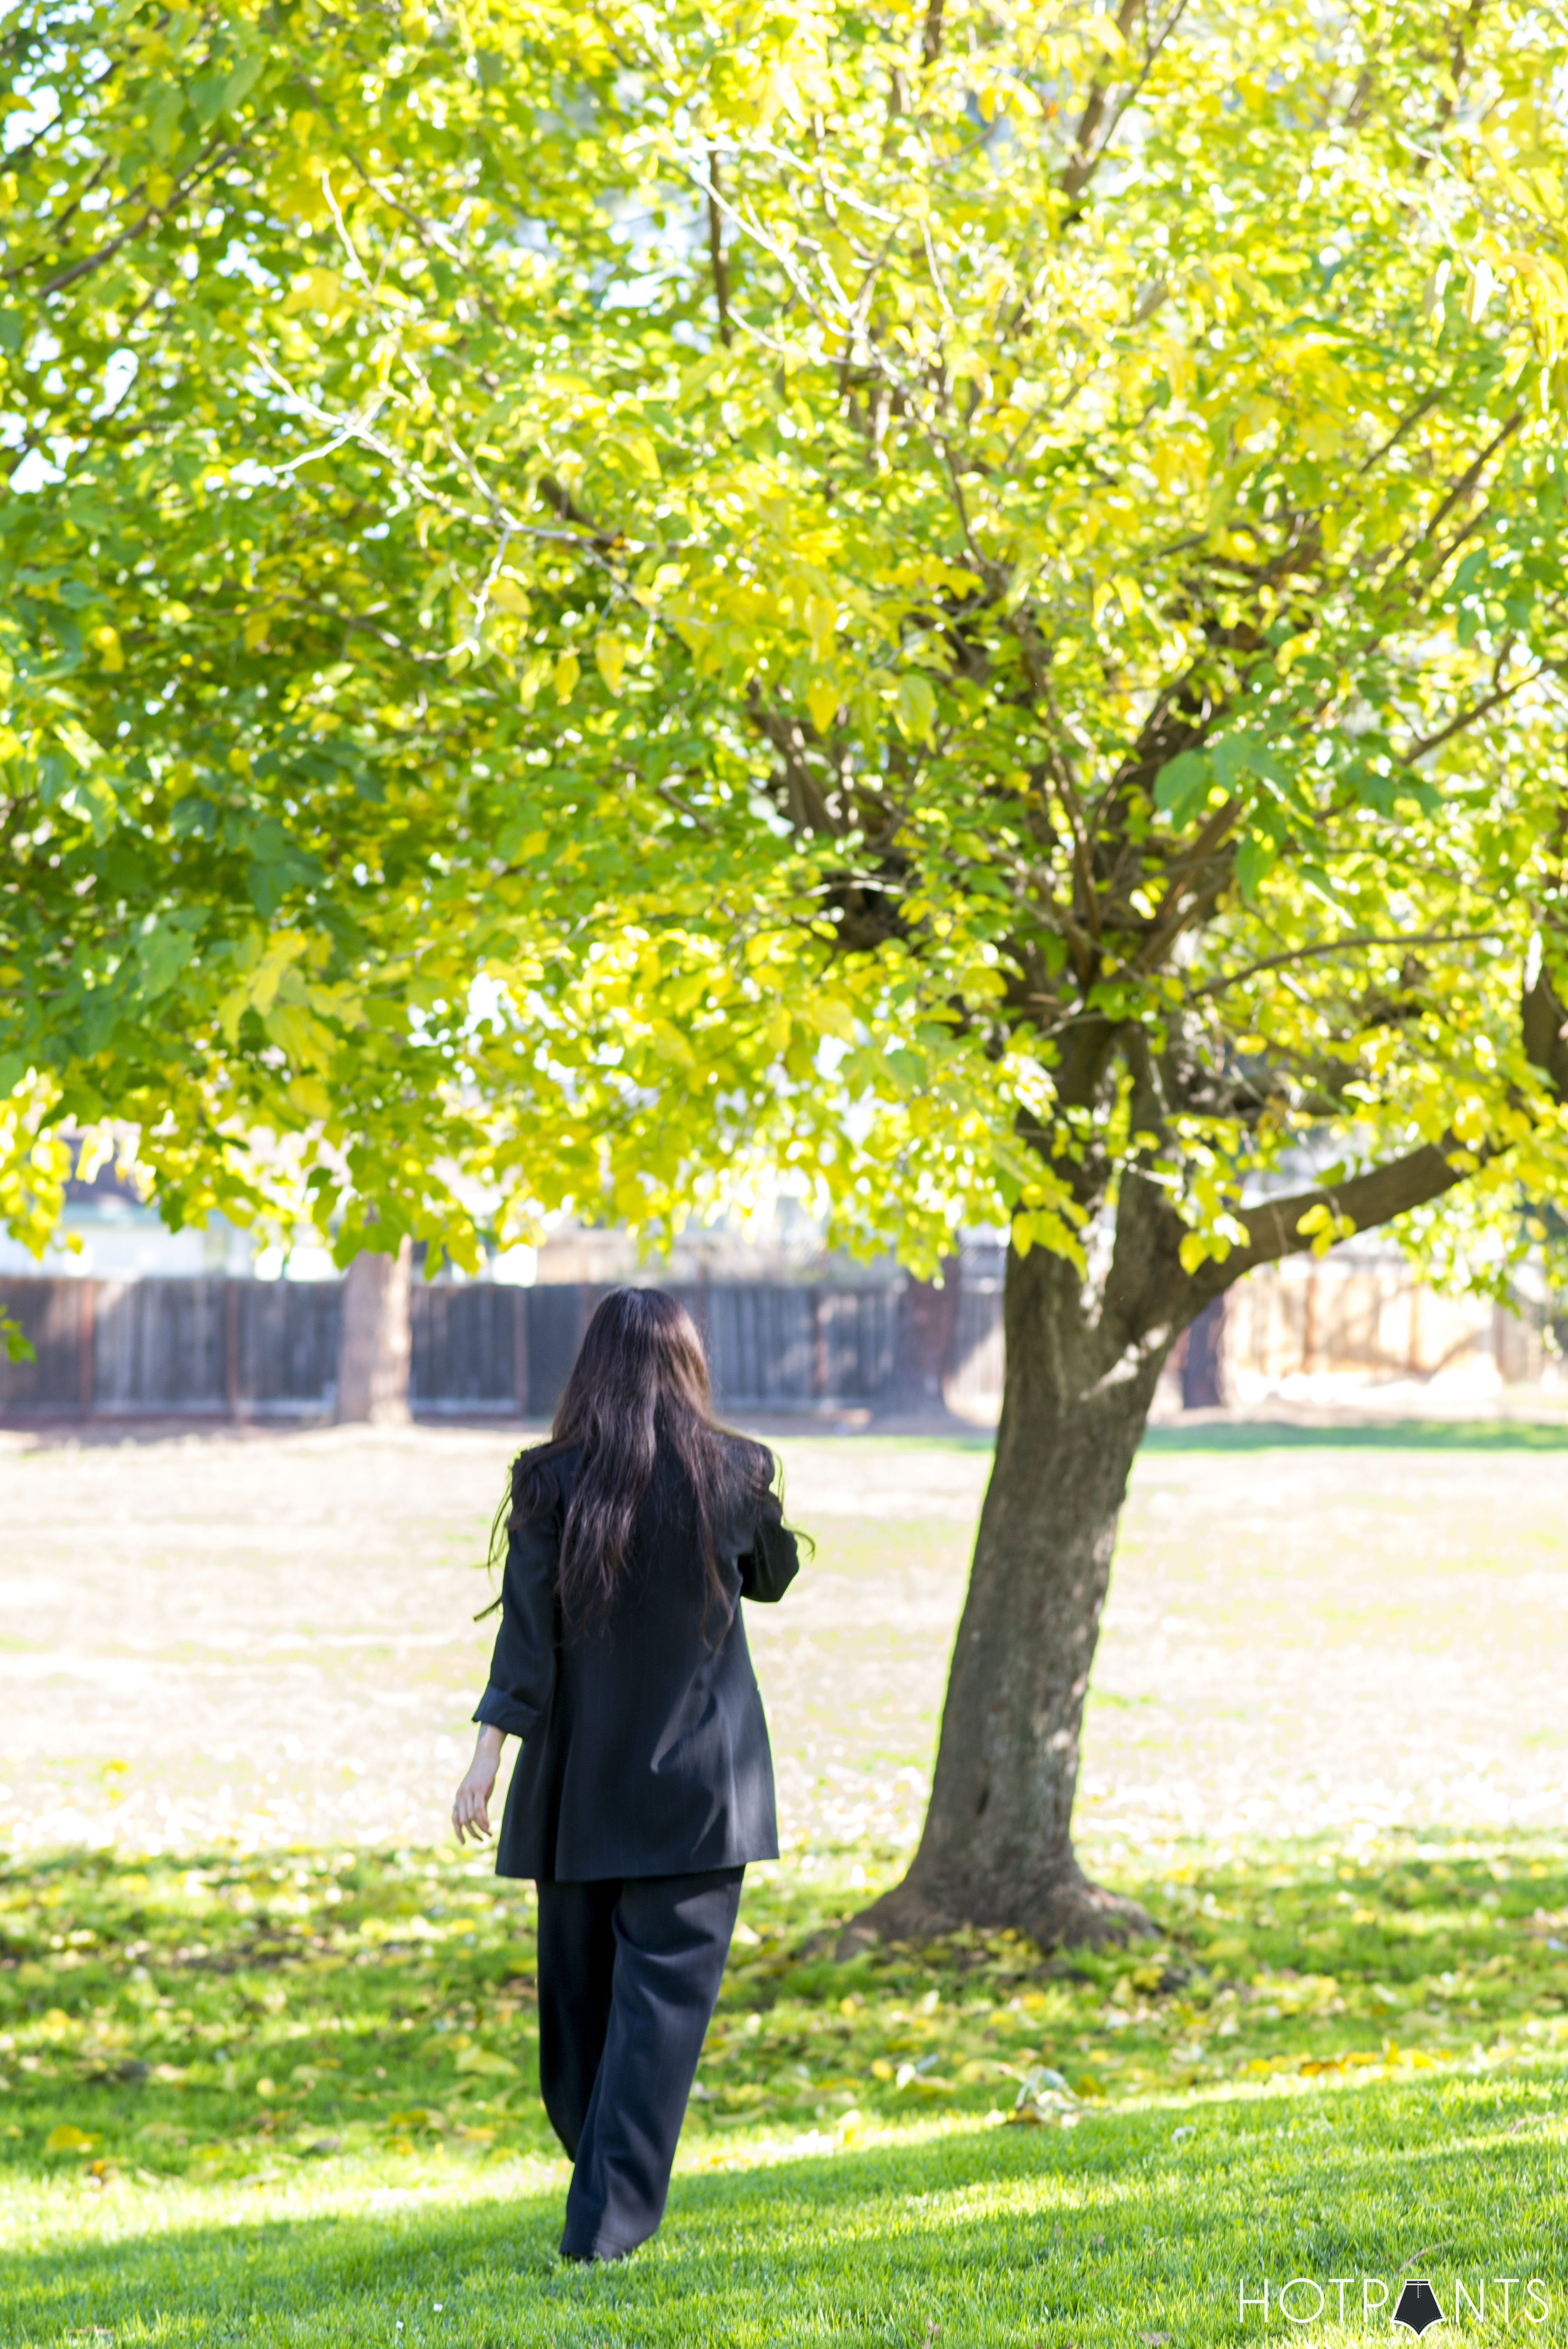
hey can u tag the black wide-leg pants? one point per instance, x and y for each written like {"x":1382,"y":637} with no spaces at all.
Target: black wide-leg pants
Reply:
{"x":629,"y":1969}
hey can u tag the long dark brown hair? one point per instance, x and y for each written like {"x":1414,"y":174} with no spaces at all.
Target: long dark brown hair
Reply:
{"x":639,"y":1386}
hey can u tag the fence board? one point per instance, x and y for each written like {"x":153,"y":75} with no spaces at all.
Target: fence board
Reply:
{"x":262,"y":1347}
{"x":556,"y":1319}
{"x":975,"y":1369}
{"x":759,"y":1344}
{"x":50,"y":1315}
{"x":463,"y":1354}
{"x":157,"y":1345}
{"x":286,"y":1351}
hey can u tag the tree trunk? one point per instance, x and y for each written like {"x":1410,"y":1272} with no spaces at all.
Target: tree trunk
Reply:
{"x":997,"y":1845}
{"x":373,"y":1344}
{"x":1084,"y":1354}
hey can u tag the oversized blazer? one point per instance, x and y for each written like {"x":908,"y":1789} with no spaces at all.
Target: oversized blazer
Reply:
{"x":645,"y":1748}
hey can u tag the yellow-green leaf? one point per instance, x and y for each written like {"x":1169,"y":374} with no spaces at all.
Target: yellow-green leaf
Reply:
{"x":917,"y":707}
{"x":822,"y":701}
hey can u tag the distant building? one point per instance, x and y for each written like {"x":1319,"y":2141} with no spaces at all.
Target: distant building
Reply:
{"x":122,"y":1237}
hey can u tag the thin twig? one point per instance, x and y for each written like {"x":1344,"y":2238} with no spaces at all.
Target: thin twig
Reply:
{"x":1340,"y":945}
{"x":89,"y":262}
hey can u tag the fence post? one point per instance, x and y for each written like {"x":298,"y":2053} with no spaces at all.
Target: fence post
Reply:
{"x":85,"y":1360}
{"x":520,"y":1352}
{"x":231,"y":1347}
{"x":819,"y":1367}
{"x":924,"y":1345}
{"x":1202,"y":1359}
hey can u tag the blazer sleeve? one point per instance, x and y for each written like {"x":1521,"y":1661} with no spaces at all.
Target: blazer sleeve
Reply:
{"x":522,"y":1668}
{"x":773,"y":1560}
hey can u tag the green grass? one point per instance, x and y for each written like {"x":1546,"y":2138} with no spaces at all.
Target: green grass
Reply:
{"x":1367,"y":1435}
{"x":1545,"y":1434}
{"x":306,"y":2088}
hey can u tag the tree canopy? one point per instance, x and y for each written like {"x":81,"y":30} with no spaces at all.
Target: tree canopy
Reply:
{"x":955,"y":600}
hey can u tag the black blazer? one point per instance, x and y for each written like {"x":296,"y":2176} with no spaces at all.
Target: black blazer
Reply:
{"x":645,"y":1749}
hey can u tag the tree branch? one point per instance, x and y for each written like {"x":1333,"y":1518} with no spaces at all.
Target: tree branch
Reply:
{"x":1082,"y":162}
{"x":1466,"y":717}
{"x":1365,"y":1201}
{"x":1544,"y":1017}
{"x":199,"y":170}
{"x":1341,"y":946}
{"x":1457,"y":59}
{"x":1466,"y":485}
{"x":716,"y":252}
{"x":1084,"y":166}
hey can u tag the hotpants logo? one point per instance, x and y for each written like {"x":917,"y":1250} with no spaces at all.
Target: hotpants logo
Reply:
{"x":1420,"y":2304}
{"x":1417,"y":2307}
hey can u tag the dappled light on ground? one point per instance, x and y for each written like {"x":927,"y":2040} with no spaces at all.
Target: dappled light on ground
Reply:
{"x":298,"y":2096}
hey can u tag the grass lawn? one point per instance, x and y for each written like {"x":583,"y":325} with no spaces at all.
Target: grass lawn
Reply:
{"x":291,"y":2097}
{"x":267,"y":2057}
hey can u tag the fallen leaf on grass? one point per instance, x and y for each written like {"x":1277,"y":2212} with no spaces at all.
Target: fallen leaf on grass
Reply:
{"x":1155,"y":2340}
{"x":1044,"y":2101}
{"x":928,"y":2083}
{"x":480,"y":2060}
{"x":68,"y":2139}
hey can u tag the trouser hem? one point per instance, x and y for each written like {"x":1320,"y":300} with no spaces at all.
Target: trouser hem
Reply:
{"x":601,"y":2250}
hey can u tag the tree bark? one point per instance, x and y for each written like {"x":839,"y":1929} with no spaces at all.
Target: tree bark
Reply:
{"x":997,"y":1847}
{"x":374,"y":1340}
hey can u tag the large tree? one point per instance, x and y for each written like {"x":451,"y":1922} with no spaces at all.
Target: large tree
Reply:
{"x":968,"y":604}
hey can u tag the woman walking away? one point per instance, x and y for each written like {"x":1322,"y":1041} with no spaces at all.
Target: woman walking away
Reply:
{"x":644,"y":1783}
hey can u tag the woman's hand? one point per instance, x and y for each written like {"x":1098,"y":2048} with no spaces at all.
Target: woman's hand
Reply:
{"x":470,"y":1809}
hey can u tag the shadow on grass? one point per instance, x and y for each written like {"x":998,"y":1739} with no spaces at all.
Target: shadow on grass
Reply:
{"x":979,"y":2236}
{"x":1365,"y":1436}
{"x":1207,"y":1434}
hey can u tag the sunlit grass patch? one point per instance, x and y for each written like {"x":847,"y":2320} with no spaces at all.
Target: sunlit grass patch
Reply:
{"x":294,"y":2093}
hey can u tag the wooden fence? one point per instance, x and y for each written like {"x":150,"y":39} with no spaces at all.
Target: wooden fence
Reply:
{"x":256,"y":1348}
